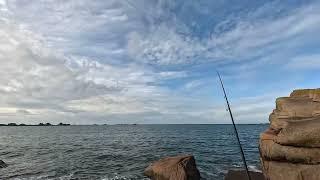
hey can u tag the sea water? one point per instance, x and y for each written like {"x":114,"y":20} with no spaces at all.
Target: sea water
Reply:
{"x":121,"y":151}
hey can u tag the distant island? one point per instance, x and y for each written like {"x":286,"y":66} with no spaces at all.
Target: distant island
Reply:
{"x":40,"y":124}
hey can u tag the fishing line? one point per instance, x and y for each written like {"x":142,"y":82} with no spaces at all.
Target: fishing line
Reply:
{"x":235,"y":128}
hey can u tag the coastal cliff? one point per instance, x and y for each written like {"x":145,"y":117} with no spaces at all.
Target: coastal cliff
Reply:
{"x":290,"y":147}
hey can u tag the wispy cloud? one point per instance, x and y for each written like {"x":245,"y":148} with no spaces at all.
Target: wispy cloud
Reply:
{"x":194,"y":84}
{"x":89,"y":62}
{"x":36,"y":78}
{"x":310,"y":61}
{"x":233,"y":39}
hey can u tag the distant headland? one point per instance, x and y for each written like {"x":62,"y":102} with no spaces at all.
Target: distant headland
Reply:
{"x":40,"y":124}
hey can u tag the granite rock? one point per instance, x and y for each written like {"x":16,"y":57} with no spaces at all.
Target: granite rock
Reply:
{"x":290,"y":147}
{"x":173,"y":168}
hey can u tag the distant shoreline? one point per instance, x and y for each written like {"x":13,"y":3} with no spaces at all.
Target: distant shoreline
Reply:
{"x":40,"y":124}
{"x":62,"y":124}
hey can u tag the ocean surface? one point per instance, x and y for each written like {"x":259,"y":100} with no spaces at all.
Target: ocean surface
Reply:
{"x":113,"y":152}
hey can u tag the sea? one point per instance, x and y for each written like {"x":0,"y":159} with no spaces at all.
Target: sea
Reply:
{"x":122,"y":152}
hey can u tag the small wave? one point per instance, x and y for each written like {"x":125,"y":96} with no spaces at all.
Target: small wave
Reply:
{"x":106,"y":156}
{"x":69,"y":150}
{"x":254,"y":168}
{"x":15,"y":155}
{"x":111,"y":157}
{"x":120,"y":177}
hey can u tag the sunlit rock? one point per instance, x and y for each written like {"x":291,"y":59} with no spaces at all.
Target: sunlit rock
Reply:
{"x":290,"y":148}
{"x":173,"y":168}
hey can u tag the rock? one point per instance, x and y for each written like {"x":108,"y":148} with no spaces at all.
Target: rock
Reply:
{"x":290,"y":148}
{"x":173,"y":168}
{"x":291,"y":171}
{"x":311,"y":93}
{"x":303,"y":133}
{"x":277,"y":152}
{"x":242,"y":175}
{"x":3,"y":164}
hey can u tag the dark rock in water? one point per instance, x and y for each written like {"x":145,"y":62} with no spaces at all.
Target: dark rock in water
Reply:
{"x":3,"y":164}
{"x":173,"y":168}
{"x":242,"y":175}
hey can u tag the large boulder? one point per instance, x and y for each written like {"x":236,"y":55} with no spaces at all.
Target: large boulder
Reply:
{"x":173,"y":168}
{"x":3,"y":164}
{"x":290,"y":148}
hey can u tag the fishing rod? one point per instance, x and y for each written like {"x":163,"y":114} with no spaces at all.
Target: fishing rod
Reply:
{"x":235,"y":128}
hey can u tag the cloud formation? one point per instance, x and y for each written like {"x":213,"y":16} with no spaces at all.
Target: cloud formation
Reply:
{"x":232,"y":39}
{"x":151,"y":61}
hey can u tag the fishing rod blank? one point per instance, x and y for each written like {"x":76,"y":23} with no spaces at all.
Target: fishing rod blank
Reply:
{"x":235,"y":128}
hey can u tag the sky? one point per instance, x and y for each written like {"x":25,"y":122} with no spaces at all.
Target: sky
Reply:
{"x":153,"y":61}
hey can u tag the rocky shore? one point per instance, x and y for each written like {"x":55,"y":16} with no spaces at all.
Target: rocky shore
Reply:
{"x":184,"y":167}
{"x":290,"y":147}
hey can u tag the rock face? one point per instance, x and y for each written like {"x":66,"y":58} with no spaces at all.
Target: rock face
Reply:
{"x":290,"y":148}
{"x":3,"y":164}
{"x":173,"y":168}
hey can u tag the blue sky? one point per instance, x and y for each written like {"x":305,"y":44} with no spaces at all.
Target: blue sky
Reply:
{"x":153,"y":61}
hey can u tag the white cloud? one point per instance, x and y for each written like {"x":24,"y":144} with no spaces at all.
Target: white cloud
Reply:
{"x":173,"y":74}
{"x":29,"y":72}
{"x":310,"y":61}
{"x":3,"y":5}
{"x":163,"y":46}
{"x":38,"y":83}
{"x":194,"y":84}
{"x":253,"y":110}
{"x":84,"y":62}
{"x":250,"y":37}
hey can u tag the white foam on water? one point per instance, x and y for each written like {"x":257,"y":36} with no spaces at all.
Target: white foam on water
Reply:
{"x":254,"y":168}
{"x":116,"y":176}
{"x":122,"y":178}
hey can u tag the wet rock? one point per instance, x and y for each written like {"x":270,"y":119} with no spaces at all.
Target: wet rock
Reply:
{"x":242,"y":175}
{"x":3,"y":164}
{"x":277,"y":170}
{"x":290,"y":148}
{"x":173,"y":168}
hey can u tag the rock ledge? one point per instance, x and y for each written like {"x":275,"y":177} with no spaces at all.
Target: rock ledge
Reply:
{"x":290,"y":147}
